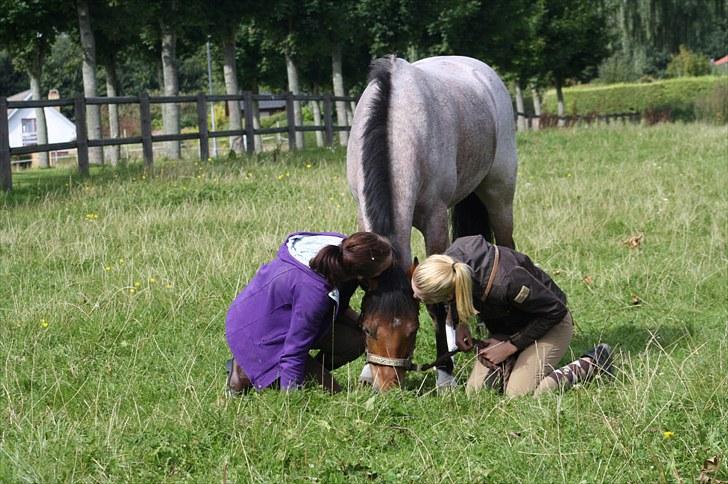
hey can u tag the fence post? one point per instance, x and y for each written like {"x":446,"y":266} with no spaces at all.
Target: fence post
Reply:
{"x":146,"y":121}
{"x":291,"y":122}
{"x":6,"y":175}
{"x":79,"y":110}
{"x":328,"y":120}
{"x":202,"y":126}
{"x":249,"y":124}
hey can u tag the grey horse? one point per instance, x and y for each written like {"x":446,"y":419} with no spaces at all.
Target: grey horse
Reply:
{"x":430,"y":136}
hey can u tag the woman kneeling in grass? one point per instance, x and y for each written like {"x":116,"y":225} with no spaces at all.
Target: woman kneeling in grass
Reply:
{"x":299,"y":302}
{"x":523,"y":309}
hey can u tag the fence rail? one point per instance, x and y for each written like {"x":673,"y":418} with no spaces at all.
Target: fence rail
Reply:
{"x":550,"y":120}
{"x":82,"y":143}
{"x":248,"y":132}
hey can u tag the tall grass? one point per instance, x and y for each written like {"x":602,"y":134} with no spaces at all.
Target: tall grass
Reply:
{"x":114,"y":289}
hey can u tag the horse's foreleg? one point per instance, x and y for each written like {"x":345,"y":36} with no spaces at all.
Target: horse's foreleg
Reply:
{"x":436,"y":241}
{"x":438,"y":313}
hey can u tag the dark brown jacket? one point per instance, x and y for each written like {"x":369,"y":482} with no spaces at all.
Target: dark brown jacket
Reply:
{"x":524,"y":302}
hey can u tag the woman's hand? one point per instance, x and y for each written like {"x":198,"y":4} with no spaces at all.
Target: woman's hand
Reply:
{"x":463,"y":338}
{"x":497,"y":352}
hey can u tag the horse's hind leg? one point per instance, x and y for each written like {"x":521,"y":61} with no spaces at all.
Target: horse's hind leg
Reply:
{"x":497,"y":196}
{"x":497,"y":189}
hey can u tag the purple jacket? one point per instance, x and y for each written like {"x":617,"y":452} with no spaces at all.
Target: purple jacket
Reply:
{"x":276,"y":319}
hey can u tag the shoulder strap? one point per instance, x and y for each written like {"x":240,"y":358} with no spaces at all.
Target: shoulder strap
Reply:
{"x":493,"y":272}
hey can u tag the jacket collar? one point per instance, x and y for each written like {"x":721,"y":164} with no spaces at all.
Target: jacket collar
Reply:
{"x":285,"y":256}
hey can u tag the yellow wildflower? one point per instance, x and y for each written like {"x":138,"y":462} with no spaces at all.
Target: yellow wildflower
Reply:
{"x":43,"y":323}
{"x":667,"y":435}
{"x":152,"y":280}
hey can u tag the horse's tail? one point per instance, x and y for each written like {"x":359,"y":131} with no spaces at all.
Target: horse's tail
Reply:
{"x":470,"y":217}
{"x":375,"y":150}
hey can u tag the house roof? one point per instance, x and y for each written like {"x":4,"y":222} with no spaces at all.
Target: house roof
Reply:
{"x":722,"y":60}
{"x":25,"y":96}
{"x":21,"y":96}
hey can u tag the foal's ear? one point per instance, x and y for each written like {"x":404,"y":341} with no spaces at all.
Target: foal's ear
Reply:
{"x":412,"y":268}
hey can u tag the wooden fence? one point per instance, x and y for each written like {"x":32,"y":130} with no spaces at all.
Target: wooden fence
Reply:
{"x":82,"y":143}
{"x":553,"y":120}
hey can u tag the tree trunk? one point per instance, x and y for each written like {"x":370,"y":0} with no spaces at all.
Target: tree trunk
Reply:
{"x":560,"y":103}
{"x":316,"y":108}
{"x":256,"y":123}
{"x":520,"y":115}
{"x":231,"y":87}
{"x":536,"y":108}
{"x":111,"y":91}
{"x":350,"y":112}
{"x":93,"y":112}
{"x":293,"y":87}
{"x":170,"y":111}
{"x":41,"y":128}
{"x":338,"y":81}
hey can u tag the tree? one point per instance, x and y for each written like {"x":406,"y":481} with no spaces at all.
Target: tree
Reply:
{"x":481,"y":29}
{"x":223,"y":25}
{"x":12,"y":80}
{"x":168,"y":37}
{"x":575,"y":40}
{"x":340,"y":33}
{"x":27,"y":31}
{"x":88,"y":44}
{"x":647,"y":32}
{"x":113,"y":37}
{"x":289,"y":27}
{"x":401,"y":26}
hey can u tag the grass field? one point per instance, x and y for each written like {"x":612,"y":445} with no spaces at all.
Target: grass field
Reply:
{"x":113,"y":292}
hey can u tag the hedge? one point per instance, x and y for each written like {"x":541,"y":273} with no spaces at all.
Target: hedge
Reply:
{"x":675,"y":95}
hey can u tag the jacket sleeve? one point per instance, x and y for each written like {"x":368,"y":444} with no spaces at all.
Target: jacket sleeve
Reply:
{"x":527,"y":294}
{"x":308,"y":317}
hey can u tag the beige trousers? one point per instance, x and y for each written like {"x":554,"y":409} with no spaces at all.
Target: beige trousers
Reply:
{"x":532,"y":364}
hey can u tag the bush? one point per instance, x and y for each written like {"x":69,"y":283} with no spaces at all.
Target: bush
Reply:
{"x":617,"y":68}
{"x":713,"y":107}
{"x":688,"y":63}
{"x":678,"y":96}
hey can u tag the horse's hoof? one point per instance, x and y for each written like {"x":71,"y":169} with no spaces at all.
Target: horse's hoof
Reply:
{"x":445,"y":381}
{"x":366,"y":375}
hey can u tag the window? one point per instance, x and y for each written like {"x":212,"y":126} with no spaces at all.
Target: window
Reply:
{"x":29,"y":130}
{"x":29,"y":126}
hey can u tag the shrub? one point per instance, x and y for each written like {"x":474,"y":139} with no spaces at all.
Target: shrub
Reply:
{"x":713,"y":107}
{"x":678,"y":96}
{"x":617,"y":68}
{"x":688,"y":63}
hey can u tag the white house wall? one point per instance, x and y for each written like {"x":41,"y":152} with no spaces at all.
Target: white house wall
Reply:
{"x":60,"y":129}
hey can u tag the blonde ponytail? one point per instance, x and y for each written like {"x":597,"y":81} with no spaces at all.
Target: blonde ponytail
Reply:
{"x":440,"y":277}
{"x":463,"y":291}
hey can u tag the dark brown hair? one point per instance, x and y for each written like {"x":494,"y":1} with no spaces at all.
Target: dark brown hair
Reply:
{"x":362,"y":254}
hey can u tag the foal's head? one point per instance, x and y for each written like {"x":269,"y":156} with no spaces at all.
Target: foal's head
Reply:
{"x":389,"y":317}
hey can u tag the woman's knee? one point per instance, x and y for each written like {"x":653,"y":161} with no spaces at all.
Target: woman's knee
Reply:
{"x":520,"y":386}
